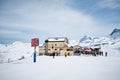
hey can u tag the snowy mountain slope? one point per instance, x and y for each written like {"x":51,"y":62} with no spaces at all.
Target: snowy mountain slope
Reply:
{"x":100,"y":41}
{"x":86,"y":39}
{"x":115,"y":33}
{"x":15,"y":51}
{"x":72,"y":43}
{"x":110,"y":40}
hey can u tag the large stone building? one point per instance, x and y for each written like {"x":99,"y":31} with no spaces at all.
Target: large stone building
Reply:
{"x":57,"y":45}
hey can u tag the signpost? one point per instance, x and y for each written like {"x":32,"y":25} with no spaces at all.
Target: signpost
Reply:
{"x":34,"y":43}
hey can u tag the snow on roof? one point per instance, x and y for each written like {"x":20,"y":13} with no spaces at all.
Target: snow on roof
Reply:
{"x":57,"y":39}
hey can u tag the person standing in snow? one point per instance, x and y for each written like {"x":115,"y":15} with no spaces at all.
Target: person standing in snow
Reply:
{"x":102,"y":53}
{"x":53,"y":55}
{"x":65,"y":54}
{"x":105,"y":53}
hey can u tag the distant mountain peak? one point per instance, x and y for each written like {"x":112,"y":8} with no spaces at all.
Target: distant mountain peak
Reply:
{"x":115,"y":33}
{"x":86,"y":39}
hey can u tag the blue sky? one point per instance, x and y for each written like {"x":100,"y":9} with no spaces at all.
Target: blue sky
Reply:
{"x":21,"y":20}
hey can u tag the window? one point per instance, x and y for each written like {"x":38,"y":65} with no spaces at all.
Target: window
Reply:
{"x":69,"y":50}
{"x":52,"y":47}
{"x":55,"y":44}
{"x":61,"y":49}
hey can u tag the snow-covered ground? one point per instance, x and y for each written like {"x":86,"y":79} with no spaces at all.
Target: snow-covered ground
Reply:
{"x":61,"y":68}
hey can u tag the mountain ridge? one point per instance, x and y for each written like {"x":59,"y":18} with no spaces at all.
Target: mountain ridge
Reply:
{"x":115,"y":33}
{"x":113,"y":37}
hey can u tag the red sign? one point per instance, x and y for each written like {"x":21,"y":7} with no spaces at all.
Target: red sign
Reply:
{"x":35,"y":42}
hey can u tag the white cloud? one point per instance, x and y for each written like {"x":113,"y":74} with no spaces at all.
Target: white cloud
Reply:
{"x":9,"y":34}
{"x":53,"y":18}
{"x":111,"y":4}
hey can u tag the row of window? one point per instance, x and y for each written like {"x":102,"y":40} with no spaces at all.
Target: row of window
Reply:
{"x":54,"y":44}
{"x":62,"y":49}
{"x":55,"y":49}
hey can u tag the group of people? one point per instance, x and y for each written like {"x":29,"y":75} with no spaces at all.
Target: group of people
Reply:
{"x":93,"y":53}
{"x":87,"y":53}
{"x":54,"y":54}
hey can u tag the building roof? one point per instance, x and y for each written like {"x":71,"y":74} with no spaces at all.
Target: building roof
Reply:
{"x":56,"y":39}
{"x":86,"y":49}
